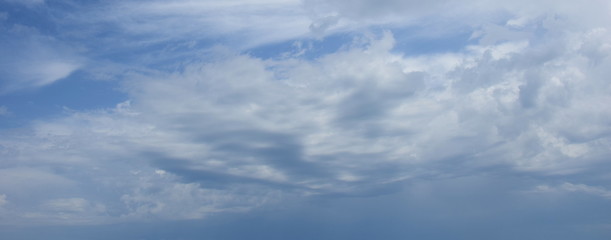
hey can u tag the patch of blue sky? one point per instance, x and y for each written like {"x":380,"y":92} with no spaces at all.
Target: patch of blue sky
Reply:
{"x":409,"y":41}
{"x":26,"y":16}
{"x":307,"y":48}
{"x":76,"y":92}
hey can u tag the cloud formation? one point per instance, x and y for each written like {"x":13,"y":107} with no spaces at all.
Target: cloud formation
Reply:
{"x":350,"y":122}
{"x":30,"y":59}
{"x":517,"y":115}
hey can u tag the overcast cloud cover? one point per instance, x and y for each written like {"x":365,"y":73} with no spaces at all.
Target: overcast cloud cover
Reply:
{"x":273,"y":119}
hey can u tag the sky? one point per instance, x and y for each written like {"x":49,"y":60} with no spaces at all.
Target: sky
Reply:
{"x":305,"y":119}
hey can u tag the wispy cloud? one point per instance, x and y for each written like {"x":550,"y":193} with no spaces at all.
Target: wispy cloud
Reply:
{"x":251,"y":24}
{"x":30,"y":59}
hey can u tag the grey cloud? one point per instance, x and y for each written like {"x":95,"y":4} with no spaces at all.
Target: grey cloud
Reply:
{"x":370,"y":100}
{"x":459,"y":208}
{"x":319,"y":26}
{"x":244,"y":147}
{"x":529,"y":91}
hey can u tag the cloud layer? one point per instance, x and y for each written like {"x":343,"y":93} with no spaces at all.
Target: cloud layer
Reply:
{"x":518,"y":115}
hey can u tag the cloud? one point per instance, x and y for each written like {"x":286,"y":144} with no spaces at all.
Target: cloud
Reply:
{"x":241,"y":24}
{"x":31,"y":60}
{"x":237,"y":132}
{"x":319,"y":26}
{"x":457,"y":16}
{"x":579,"y":188}
{"x":451,"y":138}
{"x":41,"y":73}
{"x":66,"y":204}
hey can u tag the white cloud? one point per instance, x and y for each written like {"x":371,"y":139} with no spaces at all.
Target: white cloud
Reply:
{"x":235,"y":132}
{"x":347,"y":122}
{"x":456,"y":16}
{"x":241,"y":24}
{"x":31,"y":60}
{"x":38,"y":74}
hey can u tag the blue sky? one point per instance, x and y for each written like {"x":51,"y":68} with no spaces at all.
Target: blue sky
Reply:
{"x":305,"y":119}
